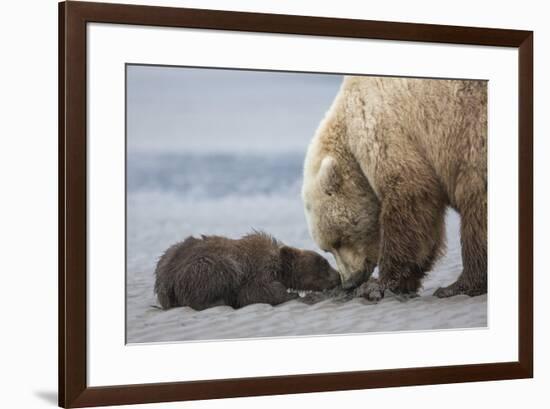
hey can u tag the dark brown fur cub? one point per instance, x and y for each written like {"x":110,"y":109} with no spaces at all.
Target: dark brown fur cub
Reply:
{"x":215,"y":270}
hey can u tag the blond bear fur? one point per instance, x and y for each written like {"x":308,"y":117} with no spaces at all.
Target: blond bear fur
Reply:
{"x":388,"y":158}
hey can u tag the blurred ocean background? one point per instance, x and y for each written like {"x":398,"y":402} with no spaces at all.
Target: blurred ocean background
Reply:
{"x":174,"y":195}
{"x":215,"y":151}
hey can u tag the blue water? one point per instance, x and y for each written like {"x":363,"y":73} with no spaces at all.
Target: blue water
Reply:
{"x":213,"y":175}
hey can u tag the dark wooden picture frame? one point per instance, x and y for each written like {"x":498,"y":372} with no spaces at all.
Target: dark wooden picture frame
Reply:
{"x":73,"y":388}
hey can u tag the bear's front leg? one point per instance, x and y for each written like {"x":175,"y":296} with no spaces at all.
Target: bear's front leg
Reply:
{"x":412,"y":233}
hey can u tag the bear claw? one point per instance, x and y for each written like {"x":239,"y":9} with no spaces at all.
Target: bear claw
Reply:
{"x":370,"y":290}
{"x":443,"y":292}
{"x":460,"y":289}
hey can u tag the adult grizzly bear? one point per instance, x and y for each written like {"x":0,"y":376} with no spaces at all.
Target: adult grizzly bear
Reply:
{"x":388,"y":158}
{"x":214,"y":270}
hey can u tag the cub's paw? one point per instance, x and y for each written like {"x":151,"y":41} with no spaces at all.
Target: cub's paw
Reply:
{"x":371,"y":290}
{"x":312,"y":297}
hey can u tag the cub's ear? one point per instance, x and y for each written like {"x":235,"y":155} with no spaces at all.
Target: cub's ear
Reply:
{"x":330,"y":178}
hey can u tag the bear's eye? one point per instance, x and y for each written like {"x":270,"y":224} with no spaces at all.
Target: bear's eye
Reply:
{"x":337,"y":244}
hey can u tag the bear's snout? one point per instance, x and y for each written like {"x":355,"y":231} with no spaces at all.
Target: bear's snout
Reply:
{"x":356,"y":278}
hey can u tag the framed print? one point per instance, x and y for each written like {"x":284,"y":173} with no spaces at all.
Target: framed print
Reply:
{"x":255,"y":204}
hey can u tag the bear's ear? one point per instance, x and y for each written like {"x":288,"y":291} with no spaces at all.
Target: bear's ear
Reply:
{"x":329,"y":176}
{"x":288,"y":255}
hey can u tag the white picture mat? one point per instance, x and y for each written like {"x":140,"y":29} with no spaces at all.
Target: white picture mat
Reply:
{"x":111,"y":362}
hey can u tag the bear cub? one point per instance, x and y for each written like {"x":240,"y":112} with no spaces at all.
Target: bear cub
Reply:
{"x":214,"y":270}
